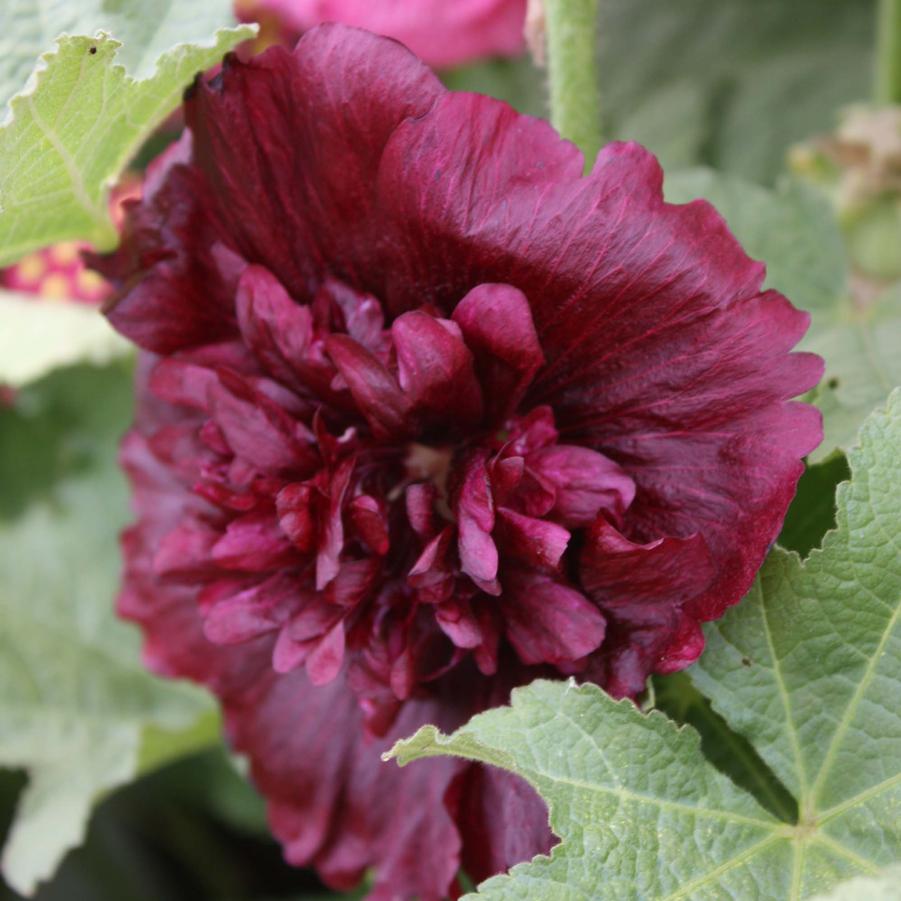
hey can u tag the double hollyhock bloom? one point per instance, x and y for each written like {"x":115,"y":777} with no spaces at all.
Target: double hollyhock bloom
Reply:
{"x":441,"y":32}
{"x":425,"y":414}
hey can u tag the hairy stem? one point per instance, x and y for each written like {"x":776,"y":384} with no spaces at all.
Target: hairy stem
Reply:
{"x":571,"y":29}
{"x":888,"y":52}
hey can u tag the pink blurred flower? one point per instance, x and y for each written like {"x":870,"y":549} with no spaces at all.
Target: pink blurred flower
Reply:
{"x":444,"y":33}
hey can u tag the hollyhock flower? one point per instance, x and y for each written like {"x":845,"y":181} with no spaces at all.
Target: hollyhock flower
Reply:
{"x":425,"y":413}
{"x":443,"y":34}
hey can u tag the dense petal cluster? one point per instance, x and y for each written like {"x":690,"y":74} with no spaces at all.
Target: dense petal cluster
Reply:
{"x":441,"y":33}
{"x":423,"y":414}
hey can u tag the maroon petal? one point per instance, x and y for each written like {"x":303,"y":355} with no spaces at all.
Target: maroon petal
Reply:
{"x":547,"y":621}
{"x":643,"y":590}
{"x":503,"y":821}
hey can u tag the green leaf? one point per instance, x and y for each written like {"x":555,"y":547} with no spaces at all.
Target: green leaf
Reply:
{"x":83,"y":116}
{"x":860,"y":345}
{"x":807,"y":669}
{"x":147,"y":31}
{"x":77,"y":708}
{"x":37,"y":335}
{"x":795,"y":232}
{"x":812,"y":512}
{"x":820,"y":697}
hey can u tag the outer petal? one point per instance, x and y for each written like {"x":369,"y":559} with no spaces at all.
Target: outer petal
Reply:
{"x":280,"y":174}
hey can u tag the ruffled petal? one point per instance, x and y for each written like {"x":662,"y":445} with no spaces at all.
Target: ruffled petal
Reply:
{"x":645,"y":591}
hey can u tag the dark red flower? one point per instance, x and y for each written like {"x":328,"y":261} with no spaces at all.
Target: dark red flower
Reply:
{"x":425,"y":414}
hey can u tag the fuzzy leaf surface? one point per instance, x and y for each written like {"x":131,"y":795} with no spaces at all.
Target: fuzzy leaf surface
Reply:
{"x":78,"y":122}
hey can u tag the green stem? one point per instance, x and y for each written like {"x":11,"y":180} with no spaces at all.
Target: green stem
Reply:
{"x":573,"y":73}
{"x":888,"y":52}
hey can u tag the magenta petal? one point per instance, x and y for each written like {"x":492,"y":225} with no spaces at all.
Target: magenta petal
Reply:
{"x":252,"y":543}
{"x":497,"y":324}
{"x":368,"y":516}
{"x":535,"y":542}
{"x":435,"y":369}
{"x":547,"y":621}
{"x":459,"y":623}
{"x":374,"y":389}
{"x":585,"y":483}
{"x":475,"y":522}
{"x":182,"y":383}
{"x":331,"y":539}
{"x":185,"y":550}
{"x":256,"y":430}
{"x":324,"y":662}
{"x":252,"y":611}
{"x":275,"y":327}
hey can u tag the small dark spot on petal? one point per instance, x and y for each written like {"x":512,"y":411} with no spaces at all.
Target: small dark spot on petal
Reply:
{"x":832,"y":383}
{"x":92,"y":51}
{"x":745,"y":661}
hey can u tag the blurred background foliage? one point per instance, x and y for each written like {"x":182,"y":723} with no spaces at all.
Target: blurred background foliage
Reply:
{"x":729,"y":84}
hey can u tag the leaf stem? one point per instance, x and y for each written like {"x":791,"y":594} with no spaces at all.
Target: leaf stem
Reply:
{"x":571,"y":29}
{"x":888,"y":52}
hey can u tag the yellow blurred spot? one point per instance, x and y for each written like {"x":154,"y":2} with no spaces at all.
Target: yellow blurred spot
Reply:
{"x":31,"y":268}
{"x":64,"y":254}
{"x":55,"y":286}
{"x":88,"y":283}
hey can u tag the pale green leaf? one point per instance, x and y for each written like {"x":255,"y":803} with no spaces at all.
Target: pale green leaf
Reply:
{"x":794,"y":231}
{"x":72,"y":131}
{"x":862,"y":349}
{"x":147,"y":30}
{"x":77,"y":708}
{"x":37,"y":335}
{"x":807,"y":668}
{"x":821,"y":644}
